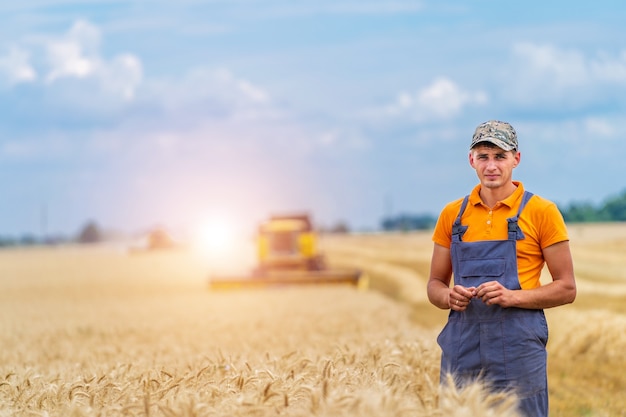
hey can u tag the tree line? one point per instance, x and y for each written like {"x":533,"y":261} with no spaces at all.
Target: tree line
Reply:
{"x":90,"y":232}
{"x":613,"y":209}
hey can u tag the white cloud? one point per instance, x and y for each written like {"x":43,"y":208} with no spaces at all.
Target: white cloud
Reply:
{"x":208,"y":94}
{"x":76,"y":54}
{"x":609,"y":69}
{"x":74,"y":58}
{"x":122,"y":75}
{"x":547,"y":75}
{"x":600,"y":127}
{"x":16,"y":68}
{"x":584,"y":137}
{"x":560,"y":68}
{"x":253,"y":92}
{"x":441,"y":100}
{"x":248,"y":90}
{"x":67,"y":61}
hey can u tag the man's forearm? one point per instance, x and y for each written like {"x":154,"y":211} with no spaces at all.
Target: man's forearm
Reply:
{"x":554,"y":294}
{"x":438,"y":293}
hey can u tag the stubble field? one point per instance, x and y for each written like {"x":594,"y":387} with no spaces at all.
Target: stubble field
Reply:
{"x":96,"y":331}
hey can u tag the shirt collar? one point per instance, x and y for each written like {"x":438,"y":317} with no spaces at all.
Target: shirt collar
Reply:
{"x":474,"y":198}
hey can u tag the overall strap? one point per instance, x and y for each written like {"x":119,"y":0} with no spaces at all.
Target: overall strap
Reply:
{"x":515,"y":233}
{"x":457,"y":228}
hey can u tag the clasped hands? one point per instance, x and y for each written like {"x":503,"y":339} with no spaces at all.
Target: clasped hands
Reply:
{"x":491,"y":293}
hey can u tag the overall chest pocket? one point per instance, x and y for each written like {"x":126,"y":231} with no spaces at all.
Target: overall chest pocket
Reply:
{"x":492,"y":268}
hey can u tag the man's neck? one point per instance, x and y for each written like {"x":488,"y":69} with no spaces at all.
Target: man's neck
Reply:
{"x":491,"y":196}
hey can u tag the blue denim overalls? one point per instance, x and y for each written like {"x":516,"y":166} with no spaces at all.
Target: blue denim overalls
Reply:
{"x":506,"y":347}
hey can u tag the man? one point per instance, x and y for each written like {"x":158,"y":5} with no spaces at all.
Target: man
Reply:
{"x":495,"y":242}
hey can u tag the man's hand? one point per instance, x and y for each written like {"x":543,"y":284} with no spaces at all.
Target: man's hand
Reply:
{"x":460,"y":297}
{"x":493,"y":292}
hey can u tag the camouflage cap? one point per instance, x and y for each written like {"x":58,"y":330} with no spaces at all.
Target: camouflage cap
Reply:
{"x":499,"y":133}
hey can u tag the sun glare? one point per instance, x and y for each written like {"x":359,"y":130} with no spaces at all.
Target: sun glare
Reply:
{"x":215,"y":235}
{"x":222,"y":241}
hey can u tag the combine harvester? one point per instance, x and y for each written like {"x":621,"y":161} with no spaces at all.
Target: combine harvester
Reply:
{"x":287,"y":255}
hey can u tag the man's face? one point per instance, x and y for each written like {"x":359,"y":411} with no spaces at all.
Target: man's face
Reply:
{"x":493,"y":165}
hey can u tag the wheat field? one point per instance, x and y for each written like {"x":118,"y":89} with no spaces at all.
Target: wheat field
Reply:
{"x":99,"y":331}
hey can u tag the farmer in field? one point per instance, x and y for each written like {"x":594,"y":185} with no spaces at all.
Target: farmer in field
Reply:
{"x":495,"y":242}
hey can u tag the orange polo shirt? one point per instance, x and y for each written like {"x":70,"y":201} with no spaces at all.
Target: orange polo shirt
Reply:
{"x":541,"y":222}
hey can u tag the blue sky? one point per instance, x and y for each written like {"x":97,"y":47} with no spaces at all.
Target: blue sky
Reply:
{"x":137,"y":113}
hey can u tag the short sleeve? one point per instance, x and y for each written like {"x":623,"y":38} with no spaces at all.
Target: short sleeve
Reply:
{"x":442,"y":234}
{"x":553,"y":229}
